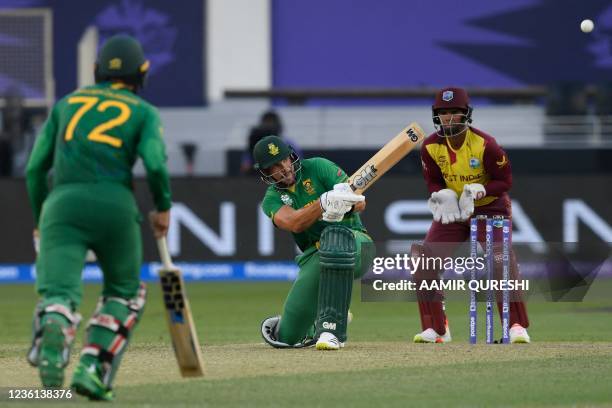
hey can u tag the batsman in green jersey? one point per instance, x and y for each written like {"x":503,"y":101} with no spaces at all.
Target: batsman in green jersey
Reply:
{"x":90,"y":141}
{"x":311,"y":199}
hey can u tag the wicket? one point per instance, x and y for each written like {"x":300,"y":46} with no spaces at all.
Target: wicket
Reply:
{"x":490,"y":223}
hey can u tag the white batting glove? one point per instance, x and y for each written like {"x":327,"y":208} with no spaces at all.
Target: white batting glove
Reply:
{"x":444,"y":206}
{"x":343,"y":187}
{"x":471,"y":192}
{"x":337,"y":203}
{"x":332,"y":217}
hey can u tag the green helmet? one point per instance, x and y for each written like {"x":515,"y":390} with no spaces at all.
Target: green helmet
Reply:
{"x":121,"y":57}
{"x":269,"y":151}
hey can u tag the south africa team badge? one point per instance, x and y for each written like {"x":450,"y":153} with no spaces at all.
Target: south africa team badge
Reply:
{"x":308,"y":186}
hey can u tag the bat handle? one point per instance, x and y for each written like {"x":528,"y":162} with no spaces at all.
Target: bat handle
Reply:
{"x":164,"y":254}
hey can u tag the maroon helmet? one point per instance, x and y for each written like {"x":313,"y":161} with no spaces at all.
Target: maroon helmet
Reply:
{"x":451,"y":98}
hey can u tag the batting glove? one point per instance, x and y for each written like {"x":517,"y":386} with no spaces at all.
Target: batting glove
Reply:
{"x":337,"y":203}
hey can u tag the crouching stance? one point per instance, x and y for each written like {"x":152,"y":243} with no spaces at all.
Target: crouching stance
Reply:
{"x":92,"y":206}
{"x":311,"y":199}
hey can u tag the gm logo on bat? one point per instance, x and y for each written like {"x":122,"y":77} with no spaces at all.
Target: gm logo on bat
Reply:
{"x":365,"y":176}
{"x":413,"y":136}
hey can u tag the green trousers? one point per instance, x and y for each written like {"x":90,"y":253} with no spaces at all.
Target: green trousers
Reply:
{"x":300,"y":310}
{"x":100,"y":216}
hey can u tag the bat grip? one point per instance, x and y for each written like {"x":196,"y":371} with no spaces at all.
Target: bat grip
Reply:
{"x":164,"y":254}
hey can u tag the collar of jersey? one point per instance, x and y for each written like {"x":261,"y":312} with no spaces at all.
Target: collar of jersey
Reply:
{"x":468,"y":134}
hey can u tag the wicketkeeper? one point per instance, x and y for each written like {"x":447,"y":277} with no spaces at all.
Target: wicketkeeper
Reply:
{"x":468,"y":174}
{"x":90,"y":141}
{"x":311,"y":199}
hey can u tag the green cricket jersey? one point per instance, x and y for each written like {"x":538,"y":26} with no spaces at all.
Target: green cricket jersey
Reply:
{"x":318,"y":175}
{"x":95,"y":134}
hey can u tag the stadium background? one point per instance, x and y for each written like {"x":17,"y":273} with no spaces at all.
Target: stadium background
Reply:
{"x":343,"y":84}
{"x":345,"y":76}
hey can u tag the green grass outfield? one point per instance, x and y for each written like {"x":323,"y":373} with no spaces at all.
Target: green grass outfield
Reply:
{"x":569,"y":362}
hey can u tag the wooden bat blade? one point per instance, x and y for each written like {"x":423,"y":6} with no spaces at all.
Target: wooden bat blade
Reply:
{"x":180,"y":322}
{"x":391,"y":153}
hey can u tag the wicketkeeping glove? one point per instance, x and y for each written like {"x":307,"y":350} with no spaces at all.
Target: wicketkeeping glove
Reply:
{"x":443,"y":204}
{"x":471,"y":192}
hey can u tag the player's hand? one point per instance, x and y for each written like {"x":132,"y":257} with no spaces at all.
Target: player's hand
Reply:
{"x":336,"y":203}
{"x":470,"y":193}
{"x":476,"y":190}
{"x":445,"y":206}
{"x":359,"y":207}
{"x":160,"y":222}
{"x":434,"y":206}
{"x":333,"y":206}
{"x":332,"y":217}
{"x":346,"y":187}
{"x":36,"y":240}
{"x":343,"y":187}
{"x":339,"y":202}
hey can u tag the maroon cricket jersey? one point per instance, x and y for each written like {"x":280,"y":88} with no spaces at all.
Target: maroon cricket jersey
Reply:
{"x":479,"y":160}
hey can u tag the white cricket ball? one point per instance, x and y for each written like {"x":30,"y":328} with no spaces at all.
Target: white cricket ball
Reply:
{"x":587,"y":26}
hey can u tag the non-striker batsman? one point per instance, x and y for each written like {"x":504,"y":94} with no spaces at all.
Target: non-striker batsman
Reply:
{"x":90,"y":141}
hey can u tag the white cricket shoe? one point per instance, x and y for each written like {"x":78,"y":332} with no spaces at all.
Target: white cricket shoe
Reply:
{"x":432,"y":336}
{"x":426,"y":336}
{"x":518,"y":334}
{"x":328,"y":341}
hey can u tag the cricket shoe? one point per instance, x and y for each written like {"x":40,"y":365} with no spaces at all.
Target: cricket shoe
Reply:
{"x":431,"y":336}
{"x":518,"y":334}
{"x":52,"y":358}
{"x":86,"y":382}
{"x":446,"y":337}
{"x":269,"y":331}
{"x":328,"y":341}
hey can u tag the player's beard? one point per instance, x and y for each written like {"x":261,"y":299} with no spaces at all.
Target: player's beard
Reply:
{"x":453,"y":130}
{"x":288,"y":179}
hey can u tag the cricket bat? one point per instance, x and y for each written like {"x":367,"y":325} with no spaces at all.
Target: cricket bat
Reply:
{"x":178,"y":314}
{"x":391,"y":153}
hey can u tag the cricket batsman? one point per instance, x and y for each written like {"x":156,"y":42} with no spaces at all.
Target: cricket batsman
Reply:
{"x":311,"y":199}
{"x":468,"y":174}
{"x":90,"y":141}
